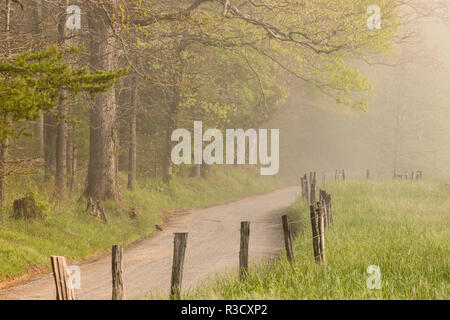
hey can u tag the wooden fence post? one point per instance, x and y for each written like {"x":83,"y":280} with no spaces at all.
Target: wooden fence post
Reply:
{"x":343,"y":175}
{"x":330,"y":209}
{"x":118,"y":292}
{"x":64,"y":290}
{"x":179,"y":249}
{"x":321,"y":217}
{"x":323,"y":202}
{"x":243,"y":252}
{"x":308,"y":188}
{"x":305,"y":182}
{"x":312,"y":197}
{"x":302,"y":182}
{"x":301,"y":185}
{"x":323,"y":177}
{"x":419,"y":175}
{"x":367,"y":174}
{"x":336,"y":176}
{"x":287,"y":239}
{"x":315,"y":233}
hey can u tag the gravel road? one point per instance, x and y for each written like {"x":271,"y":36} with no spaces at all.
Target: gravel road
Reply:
{"x":213,"y":247}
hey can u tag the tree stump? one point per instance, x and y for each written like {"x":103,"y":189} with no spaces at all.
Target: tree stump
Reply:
{"x":96,"y":209}
{"x":27,"y":209}
{"x":133,"y":214}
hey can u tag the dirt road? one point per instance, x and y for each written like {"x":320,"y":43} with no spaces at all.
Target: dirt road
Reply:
{"x":213,"y":246}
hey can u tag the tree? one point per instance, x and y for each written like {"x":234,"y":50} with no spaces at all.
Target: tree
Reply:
{"x":31,"y":83}
{"x":102,"y":181}
{"x":314,"y":41}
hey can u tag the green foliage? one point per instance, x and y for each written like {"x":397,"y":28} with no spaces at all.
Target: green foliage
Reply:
{"x":313,"y":40}
{"x":31,"y":82}
{"x":401,"y":226}
{"x":38,"y":199}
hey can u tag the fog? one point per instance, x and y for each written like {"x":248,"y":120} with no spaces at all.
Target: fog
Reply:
{"x":405,"y":127}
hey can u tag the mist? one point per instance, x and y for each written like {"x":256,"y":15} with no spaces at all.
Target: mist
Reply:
{"x":405,"y":127}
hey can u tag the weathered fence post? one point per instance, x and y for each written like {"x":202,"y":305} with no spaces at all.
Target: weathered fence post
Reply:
{"x":321,"y":217}
{"x":368,"y":174}
{"x":305,"y":188}
{"x":330,"y":210}
{"x":336,"y":176}
{"x":323,"y":202}
{"x":64,"y":290}
{"x":287,"y":239}
{"x":302,"y":182}
{"x":328,"y":205}
{"x":301,"y":185}
{"x":315,"y":233}
{"x":243,"y":252}
{"x":312,"y":197}
{"x":323,"y":177}
{"x":305,"y":181}
{"x":179,"y":249}
{"x":118,"y":292}
{"x":343,"y":175}
{"x":308,"y":188}
{"x":419,"y":175}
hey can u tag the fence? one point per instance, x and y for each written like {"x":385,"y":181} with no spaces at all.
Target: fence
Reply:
{"x":321,"y":211}
{"x":413,"y":175}
{"x":321,"y":217}
{"x":63,"y":281}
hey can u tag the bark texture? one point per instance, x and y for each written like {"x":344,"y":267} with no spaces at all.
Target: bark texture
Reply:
{"x":103,"y":165}
{"x":133,"y":142}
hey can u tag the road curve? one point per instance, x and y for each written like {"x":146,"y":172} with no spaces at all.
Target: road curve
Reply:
{"x":213,"y":246}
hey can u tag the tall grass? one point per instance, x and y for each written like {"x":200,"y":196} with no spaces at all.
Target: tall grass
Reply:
{"x":70,"y":231}
{"x":400,"y":226}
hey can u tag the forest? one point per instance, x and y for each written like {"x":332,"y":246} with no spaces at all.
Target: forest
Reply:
{"x":136,"y":71}
{"x":94,"y":93}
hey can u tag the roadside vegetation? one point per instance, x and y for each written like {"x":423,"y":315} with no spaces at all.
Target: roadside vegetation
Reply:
{"x":71,"y":231}
{"x":402,"y":227}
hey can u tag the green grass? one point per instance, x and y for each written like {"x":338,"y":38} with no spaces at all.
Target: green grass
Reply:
{"x":71,"y":232}
{"x":400,"y":226}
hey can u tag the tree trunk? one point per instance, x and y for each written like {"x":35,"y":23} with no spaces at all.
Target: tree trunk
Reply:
{"x":133,"y":143}
{"x":197,"y":171}
{"x":39,"y":125}
{"x":39,"y":135}
{"x":73,"y":170}
{"x":69,"y":161}
{"x":167,"y":162}
{"x":171,"y":126}
{"x":3,"y":168}
{"x":50,"y":143}
{"x":102,"y":182}
{"x":61,"y":148}
{"x":61,"y":139}
{"x":5,"y":142}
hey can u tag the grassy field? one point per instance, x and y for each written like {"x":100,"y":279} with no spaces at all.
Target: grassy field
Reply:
{"x":400,"y":226}
{"x":69,"y":231}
